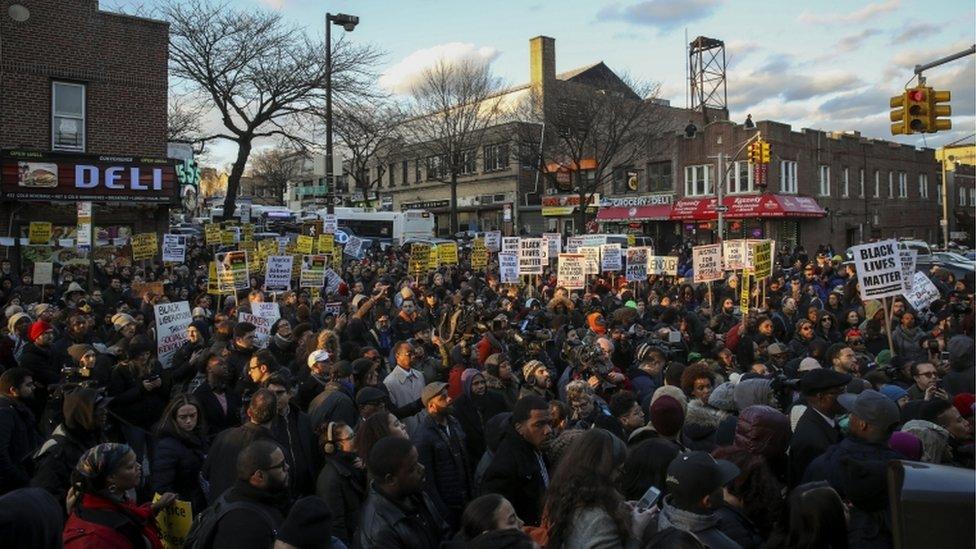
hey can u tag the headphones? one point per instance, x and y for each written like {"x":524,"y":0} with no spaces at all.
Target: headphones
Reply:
{"x":330,"y":446}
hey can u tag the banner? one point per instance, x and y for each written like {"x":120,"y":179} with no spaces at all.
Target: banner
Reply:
{"x":419,"y":258}
{"x":510,"y":244}
{"x":447,"y":253}
{"x":43,"y":273}
{"x":554,"y":241}
{"x":330,"y":224}
{"x":277,"y":273}
{"x":610,"y":257}
{"x":531,"y":254}
{"x":354,"y":247}
{"x":83,"y":239}
{"x":232,"y":272}
{"x":878,"y":269}
{"x":908,"y":259}
{"x":734,"y":255}
{"x":333,"y":308}
{"x":39,"y":232}
{"x":313,"y":271}
{"x":479,"y":254}
{"x":212,"y":234}
{"x":662,"y":265}
{"x":571,"y":271}
{"x":592,"y":255}
{"x":573,"y":244}
{"x":172,"y":320}
{"x":263,"y":316}
{"x":508,"y":268}
{"x":303,"y":244}
{"x":762,"y":259}
{"x":174,"y":522}
{"x":144,"y":246}
{"x":707,"y":262}
{"x":493,"y":241}
{"x":174,"y":248}
{"x":637,"y":258}
{"x":923,"y":292}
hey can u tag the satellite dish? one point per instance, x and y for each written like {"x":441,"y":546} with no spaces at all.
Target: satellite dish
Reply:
{"x":18,"y":12}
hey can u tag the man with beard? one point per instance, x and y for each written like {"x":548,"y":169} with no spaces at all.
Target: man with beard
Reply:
{"x":37,"y":359}
{"x":19,"y":437}
{"x":441,"y":449}
{"x":726,"y":319}
{"x":538,"y":380}
{"x":240,"y":349}
{"x":293,"y":431}
{"x":12,"y":346}
{"x":261,"y":495}
{"x":282,"y":344}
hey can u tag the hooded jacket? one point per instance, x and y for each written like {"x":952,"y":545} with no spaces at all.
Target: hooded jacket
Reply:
{"x":57,"y":457}
{"x":763,"y":431}
{"x":704,"y":527}
{"x":19,"y":439}
{"x":473,"y":412}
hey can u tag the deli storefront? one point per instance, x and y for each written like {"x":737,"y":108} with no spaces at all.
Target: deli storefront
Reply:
{"x":778,"y":216}
{"x":128,"y":195}
{"x":647,"y":215}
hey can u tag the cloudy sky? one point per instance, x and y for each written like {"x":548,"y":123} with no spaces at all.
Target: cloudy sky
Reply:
{"x":827,"y":64}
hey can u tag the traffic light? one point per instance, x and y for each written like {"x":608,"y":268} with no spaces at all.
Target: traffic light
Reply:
{"x":764,"y":152}
{"x":751,"y":152}
{"x":936,"y":110}
{"x":898,"y":111}
{"x":917,"y":107}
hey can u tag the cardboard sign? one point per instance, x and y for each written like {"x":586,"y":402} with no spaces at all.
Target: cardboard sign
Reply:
{"x":571,"y":271}
{"x":172,"y":320}
{"x":637,"y":258}
{"x":332,"y":281}
{"x":247,"y":232}
{"x":493,"y":241}
{"x":554,"y":242}
{"x":333,"y":308}
{"x":419,"y":258}
{"x":330,"y":224}
{"x":140,"y":289}
{"x":662,"y":265}
{"x":908,"y":259}
{"x":479,"y":254}
{"x":573,"y":244}
{"x":313,"y":271}
{"x":39,"y":232}
{"x":508,"y":268}
{"x":762,"y":258}
{"x":212,"y":234}
{"x":277,"y":273}
{"x":213,"y":287}
{"x":354,"y":247}
{"x":267,"y":247}
{"x":174,"y":522}
{"x":923,"y":292}
{"x":531,"y":254}
{"x":263,"y":316}
{"x":707,"y":262}
{"x":326,"y":243}
{"x":144,"y":246}
{"x":879,"y":271}
{"x":174,"y":248}
{"x":303,"y":244}
{"x":611,"y":258}
{"x":592,"y":255}
{"x":43,"y":273}
{"x":232,"y":271}
{"x":510,"y":244}
{"x":734,"y":255}
{"x":447,"y":253}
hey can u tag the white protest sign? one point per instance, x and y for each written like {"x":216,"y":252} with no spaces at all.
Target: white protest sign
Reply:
{"x":532,"y":255}
{"x":277,"y":273}
{"x":263,"y":316}
{"x":510,"y":244}
{"x":330,"y":224}
{"x":172,"y":320}
{"x":923,"y":292}
{"x":908,"y":259}
{"x":354,"y":247}
{"x":573,"y":244}
{"x":508,"y":268}
{"x":707,"y":262}
{"x":332,"y":281}
{"x":592,"y":255}
{"x":637,"y":263}
{"x":571,"y":271}
{"x":43,"y":272}
{"x":734,"y":255}
{"x":662,"y":265}
{"x":611,"y":257}
{"x":174,"y":248}
{"x":878,"y":269}
{"x":593,"y":239}
{"x":555,"y":244}
{"x":493,"y":241}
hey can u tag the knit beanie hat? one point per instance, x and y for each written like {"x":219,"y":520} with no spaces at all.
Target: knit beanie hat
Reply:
{"x":893,"y":392}
{"x":964,"y":403}
{"x":78,"y":350}
{"x":121,"y":320}
{"x":667,"y":416}
{"x":11,"y":310}
{"x":38,"y":328}
{"x":673,"y":392}
{"x":530,"y":368}
{"x":17,"y":317}
{"x":906,"y":444}
{"x":309,"y":524}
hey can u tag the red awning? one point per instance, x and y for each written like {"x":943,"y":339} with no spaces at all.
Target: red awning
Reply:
{"x":657,"y":212}
{"x":762,"y":206}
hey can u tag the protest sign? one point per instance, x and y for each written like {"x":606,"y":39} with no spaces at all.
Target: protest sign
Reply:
{"x":212,"y":234}
{"x":447,"y":253}
{"x":493,"y":241}
{"x":554,"y":241}
{"x":313,"y":271}
{"x":762,"y":258}
{"x":277,"y":273}
{"x":592,"y":255}
{"x":332,"y":281}
{"x":908,"y":259}
{"x":419,"y":258}
{"x":610,"y":257}
{"x":247,"y":232}
{"x":83,"y":239}
{"x":173,"y":522}
{"x":326,"y":243}
{"x":508,"y":268}
{"x":531,"y":255}
{"x":744,"y":294}
{"x":354,"y":247}
{"x":303,"y":244}
{"x":923,"y":292}
{"x":144,"y":246}
{"x":593,"y":239}
{"x":479,"y":254}
{"x":43,"y":273}
{"x":571,"y":271}
{"x":263,"y":316}
{"x":172,"y":319}
{"x":879,"y":271}
{"x":733,"y":255}
{"x":228,"y":237}
{"x":573,"y":244}
{"x":330,"y":224}
{"x":510,"y":244}
{"x":637,"y":264}
{"x":662,"y":265}
{"x":39,"y":232}
{"x":174,"y":248}
{"x":232,"y":271}
{"x":268,"y":247}
{"x":707,"y":262}
{"x":333,"y":308}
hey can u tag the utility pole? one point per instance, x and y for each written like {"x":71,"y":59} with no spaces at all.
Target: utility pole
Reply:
{"x":720,"y":207}
{"x":945,"y":203}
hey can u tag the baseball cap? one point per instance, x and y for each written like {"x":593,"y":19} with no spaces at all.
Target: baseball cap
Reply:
{"x":317,"y":356}
{"x":809,"y":363}
{"x":431,"y":391}
{"x":694,"y":475}
{"x":872,"y":407}
{"x":776,"y":349}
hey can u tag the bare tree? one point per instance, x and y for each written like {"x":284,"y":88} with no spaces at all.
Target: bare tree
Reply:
{"x":262,"y":75}
{"x":591,"y":132}
{"x":277,"y":166}
{"x":185,"y":118}
{"x":371,"y":134}
{"x":452,"y":106}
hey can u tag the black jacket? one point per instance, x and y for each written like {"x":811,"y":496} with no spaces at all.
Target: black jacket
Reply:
{"x":294,"y":433}
{"x":41,"y":363}
{"x":132,"y":402}
{"x":515,"y":473}
{"x":811,"y":438}
{"x":472,"y":413}
{"x":19,"y":439}
{"x":343,"y":486}
{"x":391,"y":526}
{"x":176,"y":468}
{"x":217,"y":419}
{"x":247,"y":527}
{"x":220,"y":467}
{"x":334,"y":403}
{"x":448,"y":468}
{"x":188,"y":361}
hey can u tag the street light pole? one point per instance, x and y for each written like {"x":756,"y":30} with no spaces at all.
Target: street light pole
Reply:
{"x":349,"y":23}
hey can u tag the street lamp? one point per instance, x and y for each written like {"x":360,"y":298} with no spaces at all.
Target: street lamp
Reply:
{"x":347,"y":22}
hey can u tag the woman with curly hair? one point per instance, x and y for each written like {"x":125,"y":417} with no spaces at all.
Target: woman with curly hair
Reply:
{"x":701,"y":419}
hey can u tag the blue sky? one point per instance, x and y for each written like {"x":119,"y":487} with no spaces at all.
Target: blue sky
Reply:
{"x":825,"y":64}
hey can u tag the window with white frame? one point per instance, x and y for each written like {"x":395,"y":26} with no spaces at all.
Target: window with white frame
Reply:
{"x":877,"y":184}
{"x":496,"y":157}
{"x":824,"y":180}
{"x":891,"y":184}
{"x":698,"y":180}
{"x":923,"y":186}
{"x":846,"y":189}
{"x":741,"y":180}
{"x":902,"y":185}
{"x":67,"y":116}
{"x":860,"y":184}
{"x":972,"y":196}
{"x":962,"y":196}
{"x":469,"y":162}
{"x":787,"y":176}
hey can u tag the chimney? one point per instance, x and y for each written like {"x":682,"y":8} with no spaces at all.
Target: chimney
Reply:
{"x":542,"y":60}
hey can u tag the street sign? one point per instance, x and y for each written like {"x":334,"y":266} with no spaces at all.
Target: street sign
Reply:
{"x":721,"y":208}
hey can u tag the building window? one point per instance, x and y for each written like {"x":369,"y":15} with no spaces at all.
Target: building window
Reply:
{"x":496,"y":157}
{"x":877,"y":184}
{"x":741,"y":180}
{"x":406,"y":172}
{"x":659,"y":177}
{"x":902,"y":185}
{"x":787,"y":176}
{"x":962,"y":196}
{"x":698,"y":180}
{"x":891,"y":184}
{"x":972,"y":196}
{"x":923,"y":186}
{"x":860,"y":187}
{"x":846,"y":189}
{"x":67,"y":116}
{"x":391,"y":177}
{"x":938,"y":194}
{"x":529,"y":155}
{"x":824,"y":180}
{"x":469,"y":163}
{"x":416,"y":171}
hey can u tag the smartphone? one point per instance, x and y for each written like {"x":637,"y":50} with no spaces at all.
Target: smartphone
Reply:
{"x":649,"y":499}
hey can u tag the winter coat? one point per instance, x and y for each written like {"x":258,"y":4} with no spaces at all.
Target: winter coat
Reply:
{"x":132,"y":402}
{"x":448,"y":467}
{"x":176,"y":468}
{"x":31,"y":517}
{"x":706,"y":528}
{"x":515,"y":472}
{"x":100,"y":523}
{"x":763,"y":431}
{"x":188,"y":361}
{"x":508,"y":392}
{"x":294,"y":434}
{"x":811,"y":437}
{"x":734,"y":524}
{"x":220,"y":467}
{"x":41,"y":364}
{"x":593,"y":527}
{"x":343,"y":486}
{"x":19,"y":439}
{"x":857,"y":470}
{"x":390,"y":527}
{"x":248,"y":528}
{"x":56,"y":458}
{"x":906,"y":343}
{"x":701,"y":426}
{"x":335,"y":403}
{"x":217,"y":419}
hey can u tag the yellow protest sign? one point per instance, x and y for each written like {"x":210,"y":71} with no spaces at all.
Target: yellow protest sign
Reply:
{"x":447,"y":253}
{"x":479,"y":254}
{"x":744,"y":296}
{"x":227,"y":238}
{"x":247,"y":232}
{"x":40,"y":232}
{"x":337,"y":258}
{"x":419,"y":258}
{"x":144,"y":246}
{"x":213,"y":287}
{"x":304,"y":244}
{"x":631,"y":240}
{"x":433,"y":259}
{"x":762,"y":260}
{"x":326,"y":243}
{"x":212,"y":234}
{"x":248,"y":245}
{"x":174,"y":522}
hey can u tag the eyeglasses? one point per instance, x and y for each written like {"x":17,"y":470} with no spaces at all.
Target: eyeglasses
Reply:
{"x":807,"y":327}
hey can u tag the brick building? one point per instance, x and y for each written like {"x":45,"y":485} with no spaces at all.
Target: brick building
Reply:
{"x":83,"y":116}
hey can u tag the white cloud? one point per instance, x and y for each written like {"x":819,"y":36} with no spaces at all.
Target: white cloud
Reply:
{"x":915,"y":32}
{"x":403,"y":76}
{"x":738,"y":50}
{"x":857,"y":16}
{"x":664,"y":14}
{"x":276,"y":4}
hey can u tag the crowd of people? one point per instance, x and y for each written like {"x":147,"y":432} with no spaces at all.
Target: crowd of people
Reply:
{"x":445,"y":409}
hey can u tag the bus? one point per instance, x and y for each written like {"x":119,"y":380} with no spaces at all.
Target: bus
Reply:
{"x":385,"y":227}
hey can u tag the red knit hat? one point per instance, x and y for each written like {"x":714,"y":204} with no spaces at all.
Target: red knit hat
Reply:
{"x":964,"y":403}
{"x":38,"y":328}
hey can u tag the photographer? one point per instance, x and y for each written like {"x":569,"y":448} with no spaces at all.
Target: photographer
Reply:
{"x":140,"y":394}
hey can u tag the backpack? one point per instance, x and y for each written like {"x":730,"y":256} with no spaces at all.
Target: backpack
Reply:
{"x":204,"y":526}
